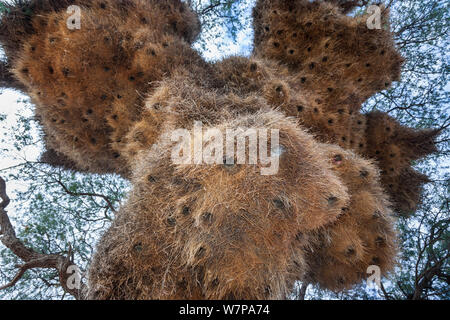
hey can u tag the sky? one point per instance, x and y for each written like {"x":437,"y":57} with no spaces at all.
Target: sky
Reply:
{"x":12,"y":106}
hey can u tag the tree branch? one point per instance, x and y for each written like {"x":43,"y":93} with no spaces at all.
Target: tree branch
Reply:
{"x":87,"y":194}
{"x":31,"y":258}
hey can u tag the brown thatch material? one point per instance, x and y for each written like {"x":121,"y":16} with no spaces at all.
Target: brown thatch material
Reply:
{"x":228,"y":229}
{"x":57,"y":160}
{"x":19,"y":17}
{"x":340,"y":254}
{"x":326,"y":49}
{"x":88,"y":84}
{"x":109,"y":95}
{"x":395,"y":147}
